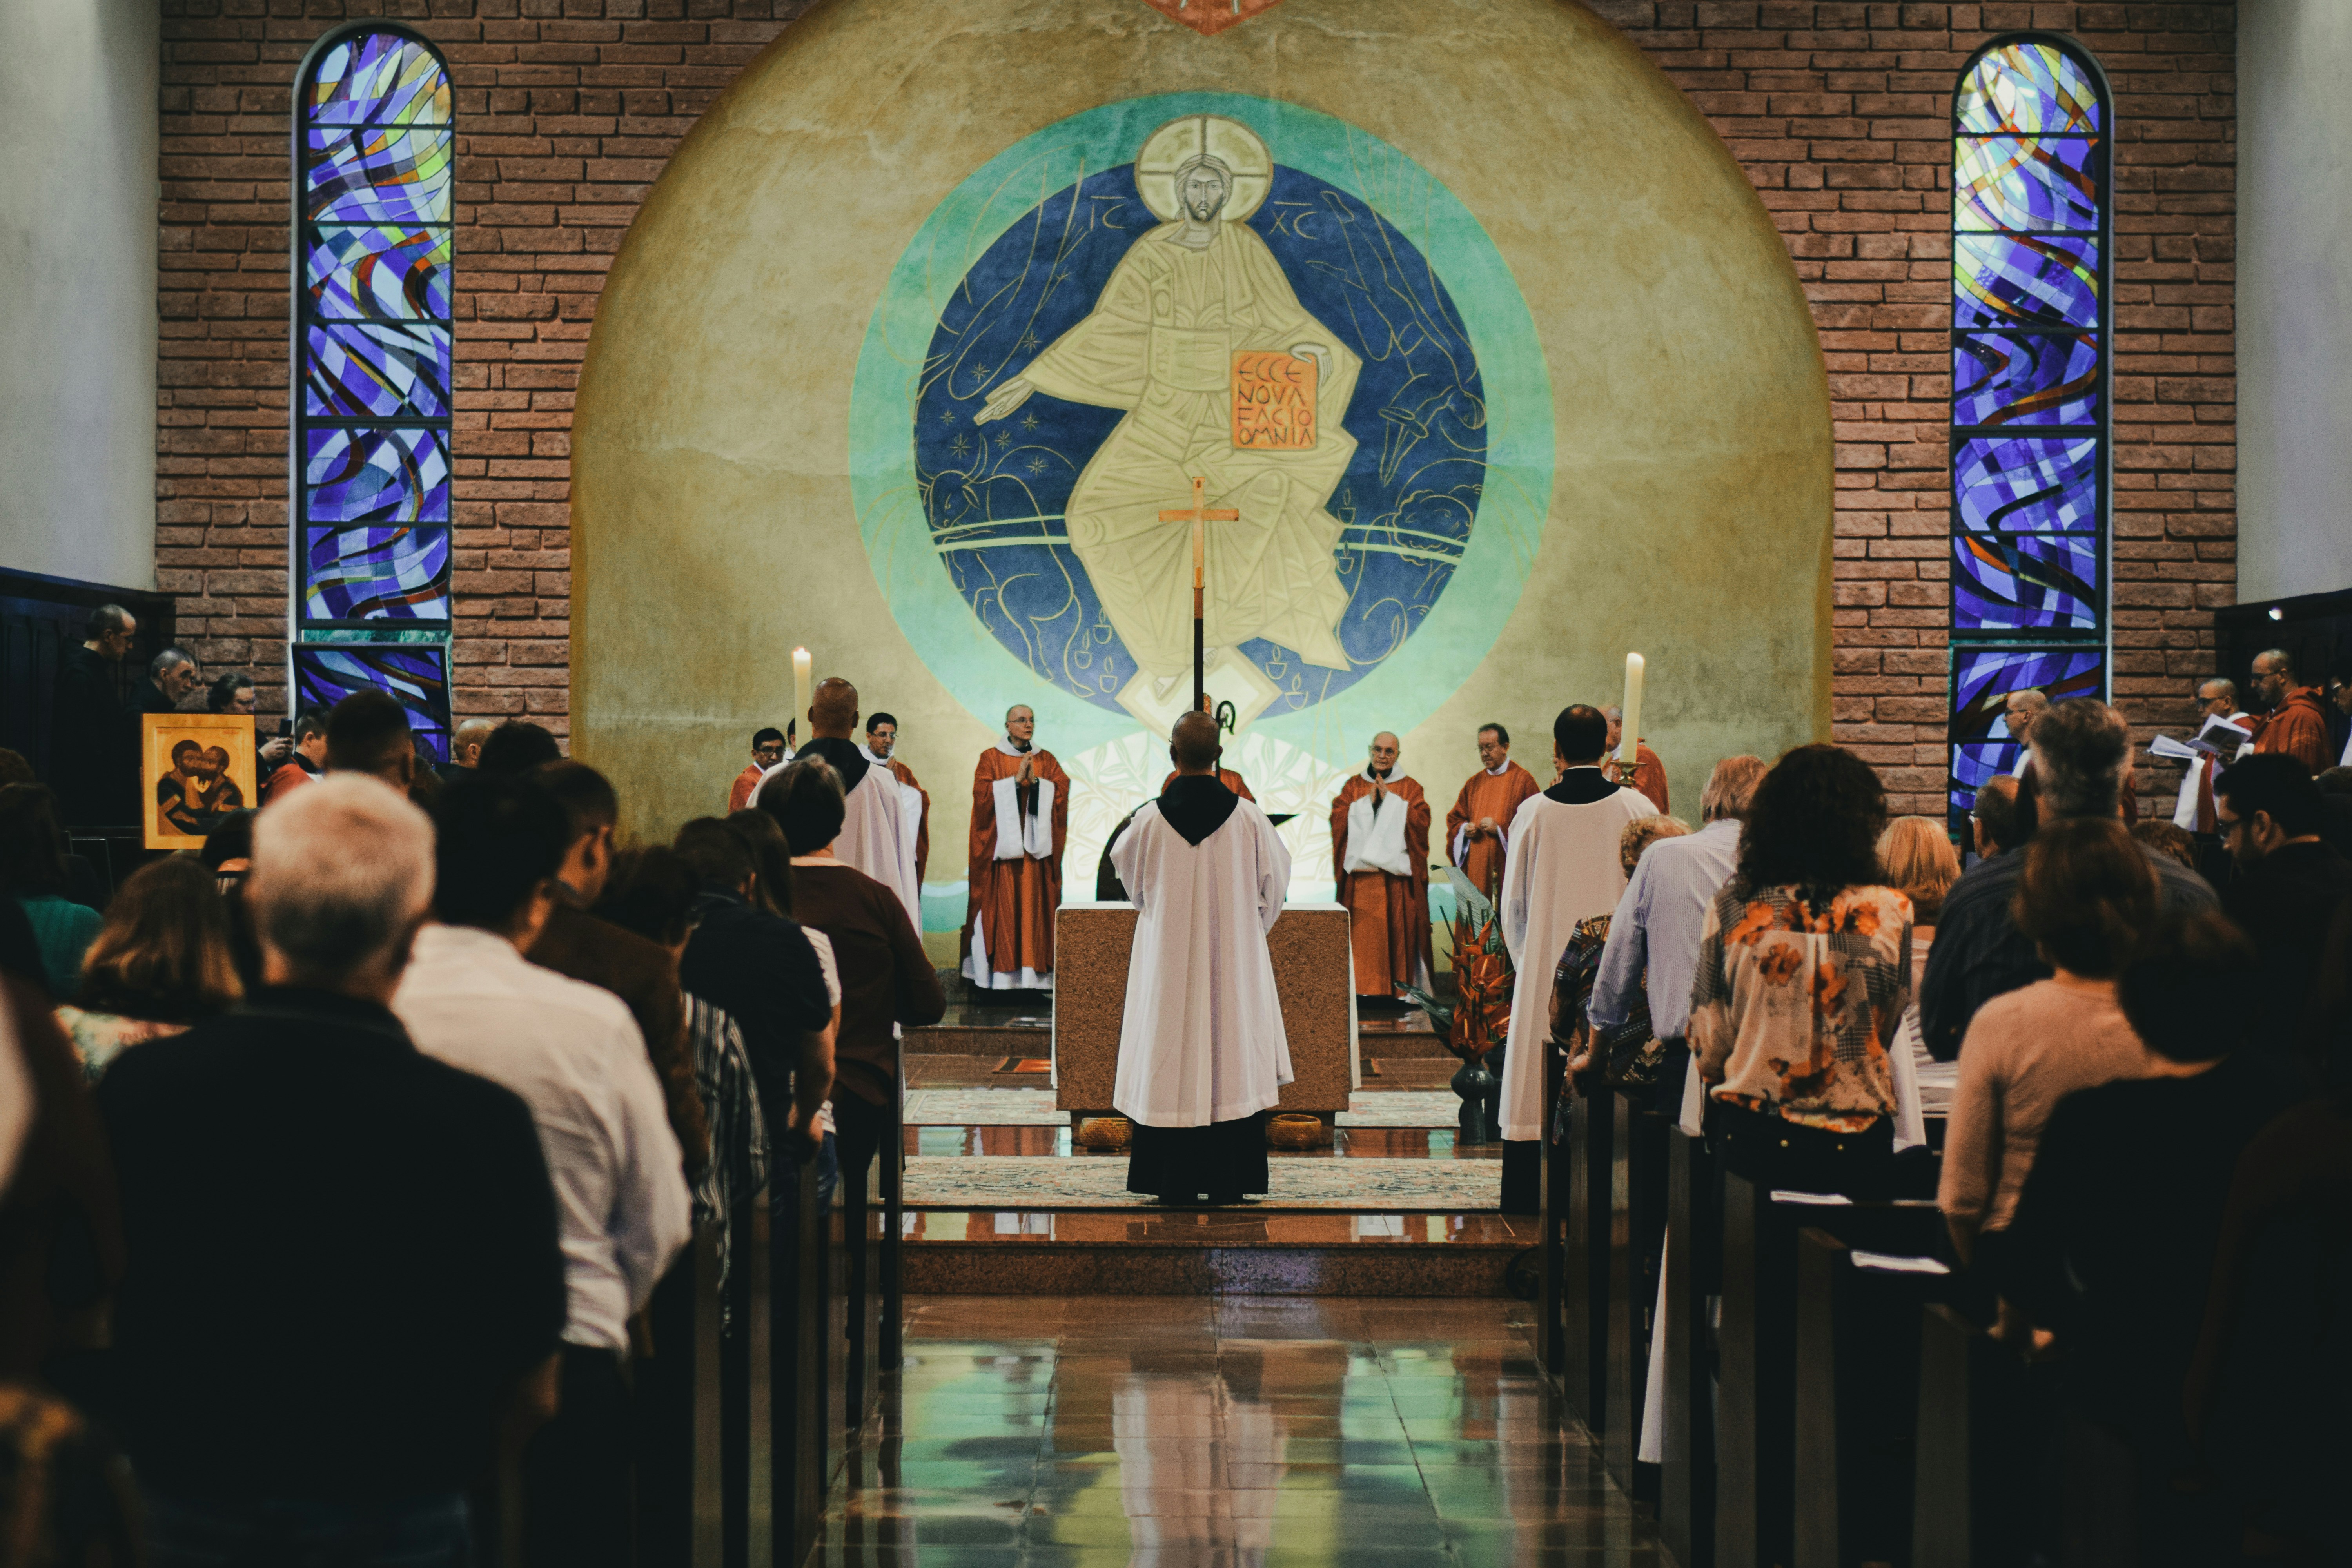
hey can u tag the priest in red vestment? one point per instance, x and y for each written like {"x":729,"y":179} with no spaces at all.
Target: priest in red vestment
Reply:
{"x":2296,"y":724}
{"x":1020,"y":821}
{"x":1477,"y":830}
{"x":767,"y":751}
{"x":1647,"y":775}
{"x":1380,"y":847}
{"x":882,"y":746}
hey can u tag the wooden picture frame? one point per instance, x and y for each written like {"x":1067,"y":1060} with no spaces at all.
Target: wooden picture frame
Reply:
{"x":194,"y":769}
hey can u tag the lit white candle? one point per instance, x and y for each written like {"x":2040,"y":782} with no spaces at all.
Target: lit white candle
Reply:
{"x":801,"y":685}
{"x":1630,"y":737}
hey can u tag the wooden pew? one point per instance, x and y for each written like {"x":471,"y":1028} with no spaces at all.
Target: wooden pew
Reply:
{"x":1551,"y":1229}
{"x":1756,"y":1424}
{"x":1693,"y":1262}
{"x":1637,"y":1220}
{"x":1857,"y":1391}
{"x":1961,"y":1514}
{"x":1584,"y":1361}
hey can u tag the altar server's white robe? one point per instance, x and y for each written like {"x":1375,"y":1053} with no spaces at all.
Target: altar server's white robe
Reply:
{"x":1201,"y":1040}
{"x":1562,"y":868}
{"x":877,"y":833}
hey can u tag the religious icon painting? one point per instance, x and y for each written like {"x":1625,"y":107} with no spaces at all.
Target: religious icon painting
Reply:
{"x":194,"y":769}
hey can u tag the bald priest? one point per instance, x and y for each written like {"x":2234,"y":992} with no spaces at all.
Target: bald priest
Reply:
{"x":877,"y":833}
{"x":1380,"y":847}
{"x":1202,"y":1052}
{"x":1020,"y":825}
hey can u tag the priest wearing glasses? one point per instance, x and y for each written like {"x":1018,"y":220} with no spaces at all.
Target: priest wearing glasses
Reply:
{"x":1020,"y":824}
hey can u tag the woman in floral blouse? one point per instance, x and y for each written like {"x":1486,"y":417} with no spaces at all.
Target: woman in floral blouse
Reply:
{"x":1804,"y":969}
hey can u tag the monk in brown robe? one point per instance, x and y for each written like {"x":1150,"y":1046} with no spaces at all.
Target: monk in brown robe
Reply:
{"x":1478,"y":828}
{"x":1647,"y":775}
{"x":882,"y":745}
{"x":1020,"y":823}
{"x":1380,"y":848}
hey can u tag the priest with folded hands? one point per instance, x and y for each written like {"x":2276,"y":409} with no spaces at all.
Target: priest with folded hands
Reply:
{"x":1202,"y":1053}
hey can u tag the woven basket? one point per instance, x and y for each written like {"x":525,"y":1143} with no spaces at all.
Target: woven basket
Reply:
{"x":1295,"y":1131}
{"x":1105,"y":1132}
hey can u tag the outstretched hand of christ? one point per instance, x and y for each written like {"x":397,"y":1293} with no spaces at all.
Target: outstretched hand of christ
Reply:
{"x":1011,"y":396}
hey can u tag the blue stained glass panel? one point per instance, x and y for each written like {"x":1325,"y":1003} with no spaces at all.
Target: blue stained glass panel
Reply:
{"x":2037,"y":484}
{"x":386,"y":478}
{"x":2025,"y":378}
{"x":415,"y":674}
{"x":379,"y":273}
{"x":375,"y":372}
{"x":2025,"y":582}
{"x":382,"y":175}
{"x":366,"y":574}
{"x":385,"y":76}
{"x":2029,"y":87}
{"x":2019,"y":280}
{"x":1982,"y":680}
{"x":2026,"y":183}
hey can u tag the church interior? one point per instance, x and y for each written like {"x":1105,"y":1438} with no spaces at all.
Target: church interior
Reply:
{"x":1658,"y":857}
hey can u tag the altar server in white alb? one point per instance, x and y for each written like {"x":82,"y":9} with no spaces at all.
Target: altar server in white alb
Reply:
{"x":1202,"y":1053}
{"x":1562,"y":868}
{"x":877,"y":833}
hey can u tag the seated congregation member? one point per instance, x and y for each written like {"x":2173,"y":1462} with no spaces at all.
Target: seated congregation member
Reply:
{"x":643,"y":974}
{"x":517,"y":746}
{"x":229,"y":855}
{"x":2166,"y":839}
{"x":772,"y":886}
{"x":764,"y":973}
{"x":344,"y":1269}
{"x":33,"y":872}
{"x":2288,"y":886}
{"x":2111,"y":1243}
{"x":2086,"y":900}
{"x":163,"y":960}
{"x":886,"y":980}
{"x":2080,"y":750}
{"x":1632,"y":1058}
{"x":1804,"y":969}
{"x":1203,"y":1055}
{"x":573,"y":1054}
{"x":1654,"y":935}
{"x":1562,"y":868}
{"x":1921,"y":865}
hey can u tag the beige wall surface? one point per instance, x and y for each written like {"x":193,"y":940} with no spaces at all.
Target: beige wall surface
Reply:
{"x":714,"y":527}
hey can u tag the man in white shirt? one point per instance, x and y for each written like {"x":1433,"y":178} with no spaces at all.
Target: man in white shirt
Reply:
{"x":573,"y":1055}
{"x":2217,"y":698}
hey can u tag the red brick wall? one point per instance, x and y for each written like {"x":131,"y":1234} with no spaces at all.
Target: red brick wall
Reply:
{"x":1839,"y":112}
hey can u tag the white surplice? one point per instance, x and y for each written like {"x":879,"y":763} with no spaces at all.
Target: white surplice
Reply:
{"x":878,"y":836}
{"x":1376,"y":834}
{"x":1201,"y":1040}
{"x":1562,"y":868}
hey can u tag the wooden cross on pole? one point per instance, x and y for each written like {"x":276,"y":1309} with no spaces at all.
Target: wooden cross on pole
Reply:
{"x":1199,"y":515}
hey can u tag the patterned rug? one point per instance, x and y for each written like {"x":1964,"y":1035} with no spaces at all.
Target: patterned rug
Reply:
{"x":1034,"y":1108}
{"x":1009,"y":1182}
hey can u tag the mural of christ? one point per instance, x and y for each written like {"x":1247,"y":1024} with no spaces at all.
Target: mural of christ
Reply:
{"x":1160,"y":344}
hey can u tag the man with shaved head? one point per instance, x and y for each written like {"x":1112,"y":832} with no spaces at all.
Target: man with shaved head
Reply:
{"x":877,"y":834}
{"x":1202,"y":1052}
{"x":1380,"y":848}
{"x":1020,"y":823}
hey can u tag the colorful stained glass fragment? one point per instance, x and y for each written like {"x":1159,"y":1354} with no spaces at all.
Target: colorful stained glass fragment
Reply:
{"x":2027,"y":183}
{"x":415,"y":674}
{"x":1982,"y":680}
{"x":368,"y":574}
{"x":375,"y":372}
{"x":2024,"y":279}
{"x":379,"y":77}
{"x":386,"y":478}
{"x":2028,"y":87}
{"x":2034,"y":484}
{"x":377,"y":175}
{"x":378,"y":272}
{"x":2025,"y":582}
{"x":2025,"y":378}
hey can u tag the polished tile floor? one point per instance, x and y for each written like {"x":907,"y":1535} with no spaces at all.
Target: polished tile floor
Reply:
{"x":1155,"y":1432}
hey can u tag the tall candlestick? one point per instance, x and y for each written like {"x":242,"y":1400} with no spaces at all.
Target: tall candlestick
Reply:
{"x":800,"y":684}
{"x":1630,"y":737}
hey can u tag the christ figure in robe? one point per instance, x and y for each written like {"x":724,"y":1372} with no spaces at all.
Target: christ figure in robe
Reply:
{"x":1202,"y":1053}
{"x":1020,"y":824}
{"x":1380,"y":844}
{"x":1562,"y":868}
{"x":1160,"y":344}
{"x":1478,"y":827}
{"x":878,"y":835}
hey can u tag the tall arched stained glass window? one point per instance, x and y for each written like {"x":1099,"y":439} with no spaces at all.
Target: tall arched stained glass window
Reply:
{"x":371,"y":354}
{"x":2032,"y":127}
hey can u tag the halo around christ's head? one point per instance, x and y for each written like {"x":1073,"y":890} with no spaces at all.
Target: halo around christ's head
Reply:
{"x":1167,"y":152}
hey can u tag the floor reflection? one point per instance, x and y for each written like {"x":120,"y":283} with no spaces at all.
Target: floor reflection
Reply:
{"x":1247,"y":1433}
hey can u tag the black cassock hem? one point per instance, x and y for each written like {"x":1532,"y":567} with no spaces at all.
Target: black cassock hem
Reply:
{"x":1224,"y":1159}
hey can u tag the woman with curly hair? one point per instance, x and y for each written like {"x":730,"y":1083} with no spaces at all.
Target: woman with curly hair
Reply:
{"x":1804,"y":969}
